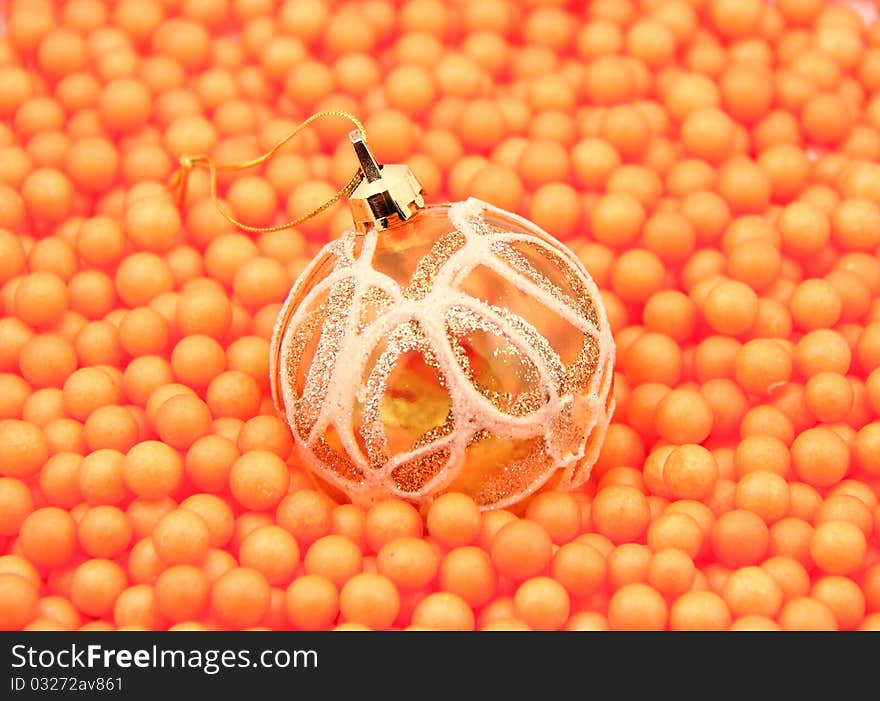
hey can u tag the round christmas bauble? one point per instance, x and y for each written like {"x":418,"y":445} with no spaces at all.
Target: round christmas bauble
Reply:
{"x":463,"y":349}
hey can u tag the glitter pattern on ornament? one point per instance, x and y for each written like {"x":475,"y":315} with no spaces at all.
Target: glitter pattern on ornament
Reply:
{"x":461,"y":351}
{"x":713,"y":164}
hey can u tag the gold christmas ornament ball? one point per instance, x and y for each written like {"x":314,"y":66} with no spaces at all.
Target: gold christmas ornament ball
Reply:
{"x":459,"y":349}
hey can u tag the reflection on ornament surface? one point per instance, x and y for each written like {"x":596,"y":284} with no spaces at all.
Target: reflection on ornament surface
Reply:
{"x":463,"y":350}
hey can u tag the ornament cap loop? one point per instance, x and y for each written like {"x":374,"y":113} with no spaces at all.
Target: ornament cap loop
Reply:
{"x":388,"y":194}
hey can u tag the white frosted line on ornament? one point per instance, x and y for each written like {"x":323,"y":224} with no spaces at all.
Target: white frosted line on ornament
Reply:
{"x":467,"y":394}
{"x":463,"y":261}
{"x":337,"y":405}
{"x":452,"y":442}
{"x":472,"y":401}
{"x":467,"y":401}
{"x":565,"y":252}
{"x":491,"y":419}
{"x":530,"y":226}
{"x":283,"y":322}
{"x":462,"y":213}
{"x":341,"y":419}
{"x":510,"y":334}
{"x":459,"y":212}
{"x":471,"y":260}
{"x":465,"y":217}
{"x":527,"y":287}
{"x":354,"y":271}
{"x":603,"y":420}
{"x":376,"y":279}
{"x":606,"y":344}
{"x":546,"y":247}
{"x":289,"y":401}
{"x":316,"y":391}
{"x":866,"y":10}
{"x":546,"y":375}
{"x":605,"y":340}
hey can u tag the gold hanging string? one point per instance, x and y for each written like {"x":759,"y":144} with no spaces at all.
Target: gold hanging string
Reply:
{"x":188,"y":162}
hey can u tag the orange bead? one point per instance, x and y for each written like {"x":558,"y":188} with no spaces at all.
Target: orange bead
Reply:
{"x":752,"y":591}
{"x":135,"y":609}
{"x":23,"y":448}
{"x":579,"y":567}
{"x":217,"y":515}
{"x":806,"y":613}
{"x":670,"y":312}
{"x":683,"y":416}
{"x":636,"y":275}
{"x":676,"y":530}
{"x":48,"y":194}
{"x":815,"y":304}
{"x":521,"y":549}
{"x":272,"y":551}
{"x":844,"y":597}
{"x":453,"y":520}
{"x":101,"y":477}
{"x":764,"y":493}
{"x":181,"y":537}
{"x":820,"y":457}
{"x":762,"y":365}
{"x":637,"y":606}
{"x":266,"y":433}
{"x":411,"y":563}
{"x":708,"y":134}
{"x":443,"y":611}
{"x":181,"y":593}
{"x":468,"y":572}
{"x":18,"y":605}
{"x":628,"y":563}
{"x":311,"y":603}
{"x":369,"y":599}
{"x":671,"y":572}
{"x":260,"y":281}
{"x":690,"y":472}
{"x":258,"y":480}
{"x":141,"y":277}
{"x":616,"y":219}
{"x":731,"y":307}
{"x":182,"y":420}
{"x":306,"y":514}
{"x":152,"y":469}
{"x":233,"y":394}
{"x":558,"y":513}
{"x":620,"y":513}
{"x":96,"y":585}
{"x":826,"y":118}
{"x":739,"y":538}
{"x":104,"y":531}
{"x":124,"y":104}
{"x":17,"y":503}
{"x":337,"y":559}
{"x":390,"y":519}
{"x":209,"y":461}
{"x":206,"y":311}
{"x":240,"y":598}
{"x":838,"y":547}
{"x":144,"y":514}
{"x":542,"y":603}
{"x":699,"y":610}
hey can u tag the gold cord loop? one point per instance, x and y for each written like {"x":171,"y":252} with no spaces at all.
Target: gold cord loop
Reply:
{"x":188,"y":162}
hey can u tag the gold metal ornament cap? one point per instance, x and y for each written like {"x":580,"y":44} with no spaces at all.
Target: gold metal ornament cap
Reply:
{"x":388,"y":194}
